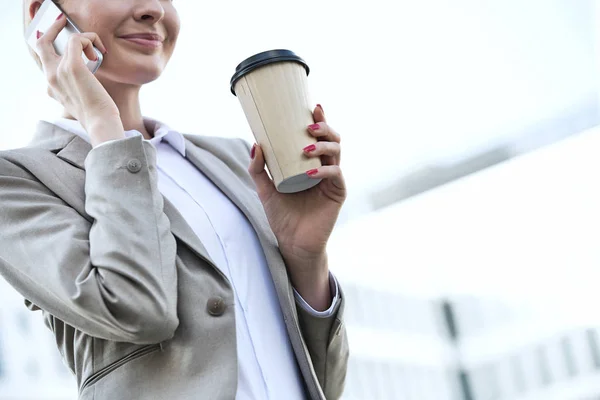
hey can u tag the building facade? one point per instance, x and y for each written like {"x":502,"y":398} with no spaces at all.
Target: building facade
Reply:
{"x":30,"y":365}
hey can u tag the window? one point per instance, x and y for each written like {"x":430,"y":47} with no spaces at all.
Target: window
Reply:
{"x":465,"y":385}
{"x":555,"y":358}
{"x":543,"y":365}
{"x":484,"y":382}
{"x":376,"y":379}
{"x":516,"y":366}
{"x":380,"y":385}
{"x":394,"y":378}
{"x":592,"y":340}
{"x":568,"y":357}
{"x":355,"y":381}
{"x":450,"y":320}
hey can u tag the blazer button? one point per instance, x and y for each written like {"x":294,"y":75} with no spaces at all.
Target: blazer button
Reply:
{"x":216,"y":306}
{"x":134,"y":165}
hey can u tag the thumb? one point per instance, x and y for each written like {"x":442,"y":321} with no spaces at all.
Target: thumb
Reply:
{"x":263,"y":182}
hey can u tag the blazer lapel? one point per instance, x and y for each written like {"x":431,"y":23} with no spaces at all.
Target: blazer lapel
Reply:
{"x":247,"y":201}
{"x":222,"y":175}
{"x":181,"y":229}
{"x":75,"y":152}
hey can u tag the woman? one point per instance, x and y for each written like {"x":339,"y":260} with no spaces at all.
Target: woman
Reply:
{"x":167,"y":266}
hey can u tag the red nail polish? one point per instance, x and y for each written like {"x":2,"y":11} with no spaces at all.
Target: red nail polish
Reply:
{"x":312,"y":172}
{"x":321,"y":107}
{"x":253,"y":152}
{"x":310,"y":148}
{"x":38,"y":34}
{"x":314,"y":127}
{"x":60,"y":16}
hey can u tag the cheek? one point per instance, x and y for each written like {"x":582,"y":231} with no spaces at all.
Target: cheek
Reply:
{"x":173,"y":26}
{"x":100,"y":22}
{"x":101,"y":16}
{"x":170,"y":45}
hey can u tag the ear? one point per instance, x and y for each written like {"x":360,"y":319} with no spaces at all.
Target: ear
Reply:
{"x":34,"y":6}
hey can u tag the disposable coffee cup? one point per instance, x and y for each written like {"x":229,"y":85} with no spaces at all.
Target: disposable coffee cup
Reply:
{"x":272,"y":88}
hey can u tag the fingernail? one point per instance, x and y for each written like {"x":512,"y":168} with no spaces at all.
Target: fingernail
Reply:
{"x":314,"y":127}
{"x":38,"y":34}
{"x":60,"y":16}
{"x":253,"y":152}
{"x":312,"y":172}
{"x":321,"y":107}
{"x":310,"y":148}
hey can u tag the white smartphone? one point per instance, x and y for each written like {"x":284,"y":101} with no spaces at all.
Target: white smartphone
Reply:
{"x":45,"y":17}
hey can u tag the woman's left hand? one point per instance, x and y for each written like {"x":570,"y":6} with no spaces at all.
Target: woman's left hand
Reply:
{"x":303,"y":222}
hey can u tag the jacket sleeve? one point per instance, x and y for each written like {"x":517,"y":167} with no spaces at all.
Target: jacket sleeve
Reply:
{"x":113,"y":278}
{"x":327,"y":344}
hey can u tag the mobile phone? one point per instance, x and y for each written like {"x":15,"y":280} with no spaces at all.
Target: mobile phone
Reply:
{"x":45,"y":17}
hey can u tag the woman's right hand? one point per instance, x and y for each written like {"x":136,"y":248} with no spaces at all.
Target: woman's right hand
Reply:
{"x":72,"y":84}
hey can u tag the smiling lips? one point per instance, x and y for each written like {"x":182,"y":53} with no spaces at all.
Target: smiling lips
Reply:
{"x":148,"y":40}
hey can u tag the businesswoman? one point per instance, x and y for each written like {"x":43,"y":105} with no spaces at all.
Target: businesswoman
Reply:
{"x":166,"y":265}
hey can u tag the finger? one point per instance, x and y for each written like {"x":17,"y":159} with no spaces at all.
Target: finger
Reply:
{"x":324,"y":132}
{"x":88,"y":48}
{"x":45,"y":43}
{"x":319,"y":114}
{"x":77,"y":44}
{"x":319,"y":149}
{"x":264,"y":184}
{"x":330,"y":152}
{"x":332,"y":172}
{"x":96,"y":41}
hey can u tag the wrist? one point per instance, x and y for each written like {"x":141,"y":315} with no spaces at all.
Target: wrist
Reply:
{"x":104,"y":129}
{"x":303,"y":265}
{"x":310,"y":278}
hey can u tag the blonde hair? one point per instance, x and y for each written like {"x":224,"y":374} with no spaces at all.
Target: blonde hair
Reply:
{"x":26,"y":22}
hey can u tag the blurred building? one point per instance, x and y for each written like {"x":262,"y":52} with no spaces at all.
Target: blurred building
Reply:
{"x":30,"y":365}
{"x":465,"y":349}
{"x":400,"y":348}
{"x":483,"y":288}
{"x":549,"y":129}
{"x":507,"y":352}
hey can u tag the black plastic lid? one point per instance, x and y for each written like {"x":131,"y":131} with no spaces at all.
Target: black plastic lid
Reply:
{"x":262,"y":59}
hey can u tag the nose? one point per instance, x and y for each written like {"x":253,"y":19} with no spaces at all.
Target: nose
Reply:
{"x":150,"y":11}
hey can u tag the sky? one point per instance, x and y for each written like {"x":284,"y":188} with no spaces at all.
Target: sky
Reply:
{"x":405,"y":83}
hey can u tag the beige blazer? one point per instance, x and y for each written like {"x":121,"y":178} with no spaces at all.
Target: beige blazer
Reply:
{"x":138,"y":309}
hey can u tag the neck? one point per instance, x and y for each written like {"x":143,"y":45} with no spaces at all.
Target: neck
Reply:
{"x":127,"y":99}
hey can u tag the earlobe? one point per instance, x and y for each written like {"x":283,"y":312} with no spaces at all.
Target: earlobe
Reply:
{"x":34,"y":7}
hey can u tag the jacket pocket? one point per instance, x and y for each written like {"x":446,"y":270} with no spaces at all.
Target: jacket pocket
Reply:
{"x":101,"y":373}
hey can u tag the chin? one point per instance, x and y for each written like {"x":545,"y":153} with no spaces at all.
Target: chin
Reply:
{"x":141,"y":76}
{"x":131,"y":74}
